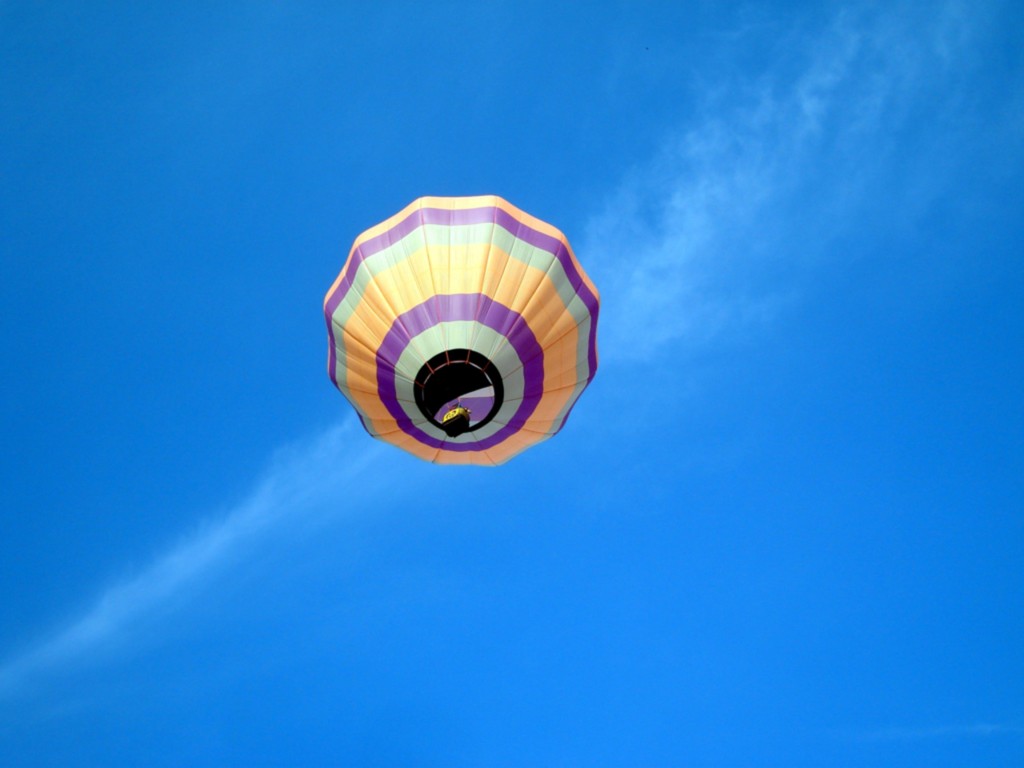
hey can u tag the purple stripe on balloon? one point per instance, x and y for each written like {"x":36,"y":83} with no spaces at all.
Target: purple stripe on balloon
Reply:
{"x":460,"y":217}
{"x":460,"y":307}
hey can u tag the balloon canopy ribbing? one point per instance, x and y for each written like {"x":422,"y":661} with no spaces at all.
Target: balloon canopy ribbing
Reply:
{"x":462,"y":330}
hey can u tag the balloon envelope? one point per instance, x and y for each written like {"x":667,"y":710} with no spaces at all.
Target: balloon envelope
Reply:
{"x":462,"y":330}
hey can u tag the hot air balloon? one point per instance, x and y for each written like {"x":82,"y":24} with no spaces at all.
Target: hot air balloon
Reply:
{"x":462,"y":330}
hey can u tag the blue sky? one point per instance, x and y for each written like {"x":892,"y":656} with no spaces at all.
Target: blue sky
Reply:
{"x":784,"y":525}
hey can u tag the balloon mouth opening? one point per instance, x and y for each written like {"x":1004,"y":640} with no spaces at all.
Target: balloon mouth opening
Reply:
{"x":459,"y":391}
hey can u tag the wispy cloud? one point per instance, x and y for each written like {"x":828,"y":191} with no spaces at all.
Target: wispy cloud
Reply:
{"x":691,"y":246}
{"x":299,"y":482}
{"x":709,"y":237}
